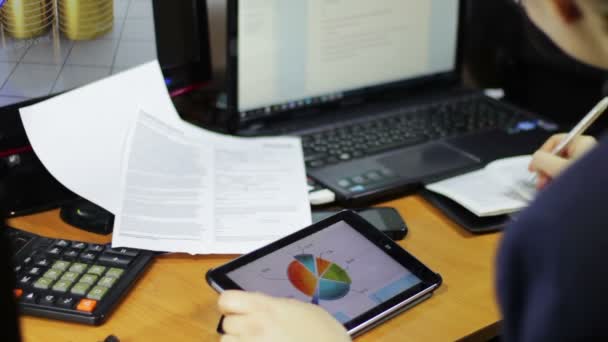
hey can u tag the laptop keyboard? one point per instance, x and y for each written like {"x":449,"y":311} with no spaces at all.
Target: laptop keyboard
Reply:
{"x":410,"y":127}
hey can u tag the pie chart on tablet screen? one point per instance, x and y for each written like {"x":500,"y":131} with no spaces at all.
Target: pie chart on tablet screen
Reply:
{"x":318,"y":278}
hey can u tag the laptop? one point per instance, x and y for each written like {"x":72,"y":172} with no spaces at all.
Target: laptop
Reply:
{"x":373,"y":88}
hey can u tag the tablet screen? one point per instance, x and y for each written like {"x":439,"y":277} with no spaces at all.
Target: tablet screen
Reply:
{"x":336,"y":268}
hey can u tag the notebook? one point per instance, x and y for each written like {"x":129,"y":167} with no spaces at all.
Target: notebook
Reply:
{"x":502,"y":187}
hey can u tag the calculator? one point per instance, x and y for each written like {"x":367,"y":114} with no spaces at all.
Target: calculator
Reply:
{"x":72,"y":280}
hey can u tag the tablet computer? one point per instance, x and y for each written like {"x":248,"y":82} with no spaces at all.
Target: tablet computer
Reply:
{"x":342,"y":263}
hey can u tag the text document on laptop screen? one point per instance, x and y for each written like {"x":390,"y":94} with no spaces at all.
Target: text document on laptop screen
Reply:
{"x":296,"y":51}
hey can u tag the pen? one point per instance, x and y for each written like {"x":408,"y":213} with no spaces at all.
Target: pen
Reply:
{"x":579,"y":129}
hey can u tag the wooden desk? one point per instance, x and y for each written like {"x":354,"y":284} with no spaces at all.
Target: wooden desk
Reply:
{"x":172,"y":300}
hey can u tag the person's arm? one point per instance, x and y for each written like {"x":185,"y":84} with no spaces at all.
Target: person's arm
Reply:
{"x":251,"y":317}
{"x":551,"y":277}
{"x":549,"y":166}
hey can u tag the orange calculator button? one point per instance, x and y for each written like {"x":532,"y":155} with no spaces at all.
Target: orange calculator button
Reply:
{"x":86,"y":305}
{"x":18,"y":293}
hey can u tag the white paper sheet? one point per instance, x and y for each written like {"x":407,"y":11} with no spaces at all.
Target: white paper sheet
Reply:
{"x":502,"y":187}
{"x":513,"y":173}
{"x":79,"y":136}
{"x":188,"y":190}
{"x":172,"y":186}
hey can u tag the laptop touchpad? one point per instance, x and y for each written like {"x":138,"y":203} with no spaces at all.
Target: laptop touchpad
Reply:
{"x":427,"y":161}
{"x":394,"y":170}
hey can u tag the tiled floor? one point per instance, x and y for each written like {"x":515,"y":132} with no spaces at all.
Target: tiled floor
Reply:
{"x":42,"y":66}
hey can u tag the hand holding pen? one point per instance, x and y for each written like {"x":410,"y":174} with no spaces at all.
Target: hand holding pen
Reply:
{"x":561,"y":150}
{"x":548,"y":165}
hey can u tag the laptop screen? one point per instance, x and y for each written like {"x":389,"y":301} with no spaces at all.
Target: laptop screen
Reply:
{"x":293,"y":54}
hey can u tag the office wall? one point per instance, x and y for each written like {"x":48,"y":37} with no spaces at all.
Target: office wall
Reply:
{"x":217,"y":28}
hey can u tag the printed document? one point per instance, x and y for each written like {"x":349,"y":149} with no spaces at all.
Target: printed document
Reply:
{"x":173,"y":187}
{"x":189,"y":190}
{"x":502,"y":187}
{"x":79,"y":136}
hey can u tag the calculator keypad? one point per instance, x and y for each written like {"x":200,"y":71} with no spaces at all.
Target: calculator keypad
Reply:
{"x":72,"y":280}
{"x":71,"y":274}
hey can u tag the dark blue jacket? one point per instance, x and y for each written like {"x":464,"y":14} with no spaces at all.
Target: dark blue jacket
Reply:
{"x":553,"y":262}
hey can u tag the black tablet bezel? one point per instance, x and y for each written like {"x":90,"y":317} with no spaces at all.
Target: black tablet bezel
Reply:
{"x":218,"y":279}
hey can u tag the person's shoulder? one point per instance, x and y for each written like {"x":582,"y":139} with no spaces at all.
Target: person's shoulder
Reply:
{"x":572,"y":206}
{"x":552,"y":258}
{"x":580,"y":188}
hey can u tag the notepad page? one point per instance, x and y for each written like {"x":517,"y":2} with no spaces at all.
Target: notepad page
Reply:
{"x":513,"y":172}
{"x":494,"y":190}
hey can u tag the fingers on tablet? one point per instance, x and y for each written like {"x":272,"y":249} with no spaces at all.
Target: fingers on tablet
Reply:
{"x":241,"y":302}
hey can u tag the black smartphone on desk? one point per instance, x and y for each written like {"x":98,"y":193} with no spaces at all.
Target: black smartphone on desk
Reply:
{"x":385,"y":219}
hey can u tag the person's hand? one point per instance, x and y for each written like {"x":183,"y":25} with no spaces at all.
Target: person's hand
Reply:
{"x":257,"y":317}
{"x":549,"y":166}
